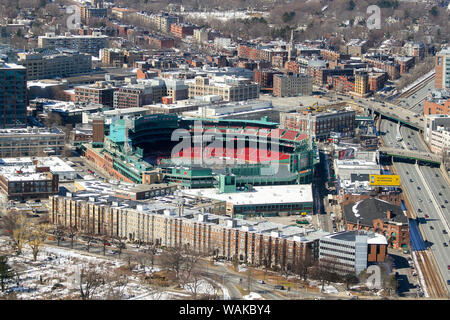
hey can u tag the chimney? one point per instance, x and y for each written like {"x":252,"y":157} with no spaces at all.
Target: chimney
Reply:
{"x":389,"y":214}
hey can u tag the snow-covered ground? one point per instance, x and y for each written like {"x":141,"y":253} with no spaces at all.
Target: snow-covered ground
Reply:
{"x":225,"y":15}
{"x":55,"y":275}
{"x":253,"y":296}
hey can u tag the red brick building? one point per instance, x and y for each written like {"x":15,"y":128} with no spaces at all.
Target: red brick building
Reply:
{"x":181,"y":30}
{"x":436,"y":108}
{"x":265,"y":77}
{"x":380,"y":217}
{"x":341,"y":84}
{"x":292,"y":66}
{"x":161,"y":42}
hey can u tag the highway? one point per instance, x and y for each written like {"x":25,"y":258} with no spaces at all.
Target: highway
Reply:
{"x":423,"y":188}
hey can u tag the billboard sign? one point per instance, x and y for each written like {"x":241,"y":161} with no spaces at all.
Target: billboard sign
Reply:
{"x":384,"y":180}
{"x":346,"y":154}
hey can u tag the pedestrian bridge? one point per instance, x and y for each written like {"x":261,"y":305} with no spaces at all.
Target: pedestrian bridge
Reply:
{"x":409,"y":154}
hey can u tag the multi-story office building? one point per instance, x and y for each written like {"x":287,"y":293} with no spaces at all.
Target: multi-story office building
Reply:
{"x":350,"y":252}
{"x":320,"y":125}
{"x":133,"y":96}
{"x":13,"y":95}
{"x":442,"y":69}
{"x":101,"y":93}
{"x":86,"y":44}
{"x":63,"y":63}
{"x":229,"y":88}
{"x":292,"y":85}
{"x":437,"y":132}
{"x":31,"y":142}
{"x":22,"y":182}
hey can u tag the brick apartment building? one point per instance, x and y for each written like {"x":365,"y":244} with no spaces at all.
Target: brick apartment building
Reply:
{"x":161,"y":42}
{"x":341,"y":84}
{"x":392,"y":68}
{"x":320,"y":75}
{"x":265,"y":77}
{"x":182,"y":30}
{"x":333,"y":55}
{"x":258,"y":244}
{"x":292,"y":66}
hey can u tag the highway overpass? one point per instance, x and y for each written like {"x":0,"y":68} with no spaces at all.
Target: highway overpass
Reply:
{"x":413,"y":155}
{"x":391,"y":111}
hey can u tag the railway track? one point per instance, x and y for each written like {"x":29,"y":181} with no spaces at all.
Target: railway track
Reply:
{"x":431,"y":275}
{"x":416,"y":88}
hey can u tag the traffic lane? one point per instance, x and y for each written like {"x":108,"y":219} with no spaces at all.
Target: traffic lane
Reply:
{"x":436,"y":183}
{"x":433,"y":229}
{"x":434,"y":239}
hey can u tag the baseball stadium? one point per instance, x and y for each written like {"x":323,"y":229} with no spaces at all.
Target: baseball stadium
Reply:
{"x":195,"y":152}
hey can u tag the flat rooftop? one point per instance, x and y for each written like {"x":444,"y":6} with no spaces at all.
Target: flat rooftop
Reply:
{"x":350,"y":236}
{"x":260,"y":195}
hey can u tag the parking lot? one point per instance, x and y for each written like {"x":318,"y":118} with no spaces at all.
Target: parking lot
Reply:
{"x":406,"y":274}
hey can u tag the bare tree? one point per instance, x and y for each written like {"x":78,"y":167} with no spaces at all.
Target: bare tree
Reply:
{"x":59,"y":234}
{"x":116,"y":283}
{"x":173,"y":260}
{"x":9,"y":223}
{"x":90,"y":280}
{"x":71,"y":233}
{"x":88,"y":238}
{"x":302,"y":266}
{"x":325,"y":272}
{"x":120,"y":244}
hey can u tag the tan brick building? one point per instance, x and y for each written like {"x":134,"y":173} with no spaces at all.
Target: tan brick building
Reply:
{"x":257,"y":244}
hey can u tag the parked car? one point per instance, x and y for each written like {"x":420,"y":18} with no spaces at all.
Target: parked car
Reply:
{"x":444,"y":231}
{"x":261,"y":281}
{"x":431,"y":227}
{"x":445,"y":244}
{"x":279,"y":287}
